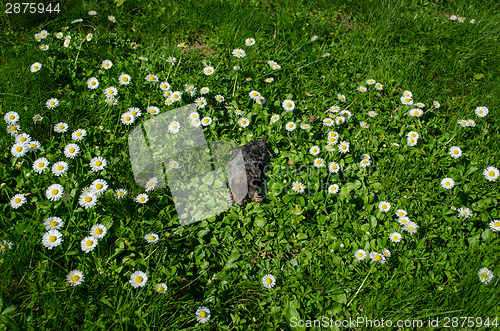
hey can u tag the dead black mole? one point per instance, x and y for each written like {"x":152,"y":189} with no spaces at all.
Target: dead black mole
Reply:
{"x":256,"y":155}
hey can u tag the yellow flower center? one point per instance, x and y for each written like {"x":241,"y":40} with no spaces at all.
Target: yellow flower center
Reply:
{"x":138,"y":279}
{"x":395,"y":237}
{"x":360,"y":254}
{"x":19,"y":149}
{"x":403,"y":221}
{"x":344,"y":147}
{"x":209,"y":70}
{"x":53,"y":223}
{"x":203,"y":314}
{"x":120,"y":193}
{"x":127,"y":118}
{"x":52,"y":103}
{"x":161,"y":289}
{"x":384,"y":206}
{"x":92,"y":83}
{"x":142,"y":198}
{"x":378,"y":257}
{"x":243,"y":122}
{"x":152,"y":238}
{"x":87,"y":199}
{"x":269,"y":281}
{"x":297,"y":187}
{"x":98,"y":186}
{"x":334,"y":166}
{"x":289,"y":104}
{"x":410,"y":227}
{"x":98,"y":163}
{"x":52,"y":239}
{"x":75,"y":278}
{"x":106,"y":65}
{"x":89,"y":243}
{"x":491,"y":173}
{"x":36,"y":67}
{"x":54,"y":191}
{"x":174,"y":127}
{"x":71,"y":150}
{"x":98,"y":231}
{"x":455,"y":151}
{"x":447,"y":183}
{"x":496,"y":224}
{"x":17,"y":200}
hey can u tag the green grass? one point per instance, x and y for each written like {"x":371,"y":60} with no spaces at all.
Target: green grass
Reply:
{"x":306,"y":241}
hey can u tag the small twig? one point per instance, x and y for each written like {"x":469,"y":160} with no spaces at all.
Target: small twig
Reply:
{"x":351,"y":103}
{"x":359,"y":289}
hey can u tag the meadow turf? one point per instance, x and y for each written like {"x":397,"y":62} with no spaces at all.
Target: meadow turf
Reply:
{"x":306,"y":240}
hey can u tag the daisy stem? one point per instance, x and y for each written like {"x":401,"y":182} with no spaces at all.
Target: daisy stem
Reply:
{"x":235,"y":80}
{"x":359,"y":289}
{"x":77,"y":54}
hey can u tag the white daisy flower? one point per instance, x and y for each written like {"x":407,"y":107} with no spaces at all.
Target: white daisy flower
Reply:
{"x":23,"y":138}
{"x":54,"y":192}
{"x":138,"y":279}
{"x":111,"y":91}
{"x":239,"y":53}
{"x":75,"y":277}
{"x":19,"y":149}
{"x":463,"y":123}
{"x":343,"y":147}
{"x":268,"y":281}
{"x":112,"y":101}
{"x":127,"y":118}
{"x":142,"y":198}
{"x":243,"y":122}
{"x":165,"y":86}
{"x":455,"y":152}
{"x":420,"y":105}
{"x":52,"y":238}
{"x":395,"y":237}
{"x":319,"y":162}
{"x":98,"y":231}
{"x":135,"y":111}
{"x":269,"y":80}
{"x":11,"y":117}
{"x":471,"y":123}
{"x":377,"y":257}
{"x":239,"y":112}
{"x":406,"y":100}
{"x":36,"y":67}
{"x":249,"y":42}
{"x":152,"y":238}
{"x":379,"y":86}
{"x":447,"y":183}
{"x":98,"y":163}
{"x":106,"y":64}
{"x":305,"y":126}
{"x":372,"y":114}
{"x":174,"y":127}
{"x":313,"y":38}
{"x":182,"y":45}
{"x":59,"y":35}
{"x":200,"y":103}
{"x":330,"y":147}
{"x":464,"y":212}
{"x":370,"y":81}
{"x":92,"y":83}
{"x":386,"y":252}
{"x":436,"y":104}
{"x":401,"y":213}
{"x":40,"y":165}
{"x":153,"y":110}
{"x":275,"y":118}
{"x":334,"y":109}
{"x":151,"y":184}
{"x":208,"y":70}
{"x":88,"y":244}
{"x":334,"y":188}
{"x":111,"y":18}
{"x":339,"y":120}
{"x":53,"y":223}
{"x":79,"y":134}
{"x":495,"y":225}
{"x":290,"y":126}
{"x":34,"y":146}
{"x":254,"y":95}
{"x":364,"y":125}
{"x":203,"y":315}
{"x":71,"y":150}
{"x":61,"y":127}
{"x":485,"y":275}
{"x":89,"y":37}
{"x":298,"y":187}
{"x":205,"y":121}
{"x":329,"y":122}
{"x":190,"y":89}
{"x":260,"y":100}
{"x":412,"y":142}
{"x":204,"y":90}
{"x":491,"y":173}
{"x":172,"y":60}
{"x":333,"y":167}
{"x":173,"y":164}
{"x":219,"y":98}
{"x":52,"y":103}
{"x":403,"y":220}
{"x":161,"y":287}
{"x":341,"y":97}
{"x":365,"y":163}
{"x":362,"y":89}
{"x":481,"y":111}
{"x":120,"y":193}
{"x":17,"y":200}
{"x":407,"y":94}
{"x":99,"y":186}
{"x":151,"y":78}
{"x":44,"y":47}
{"x":288,"y":105}
{"x":314,"y":150}
{"x":411,"y":227}
{"x":196,"y":122}
{"x":416,"y":112}
{"x":384,"y":206}
{"x":360,"y":254}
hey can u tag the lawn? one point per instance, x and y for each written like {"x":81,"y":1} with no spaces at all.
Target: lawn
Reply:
{"x":380,"y":200}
